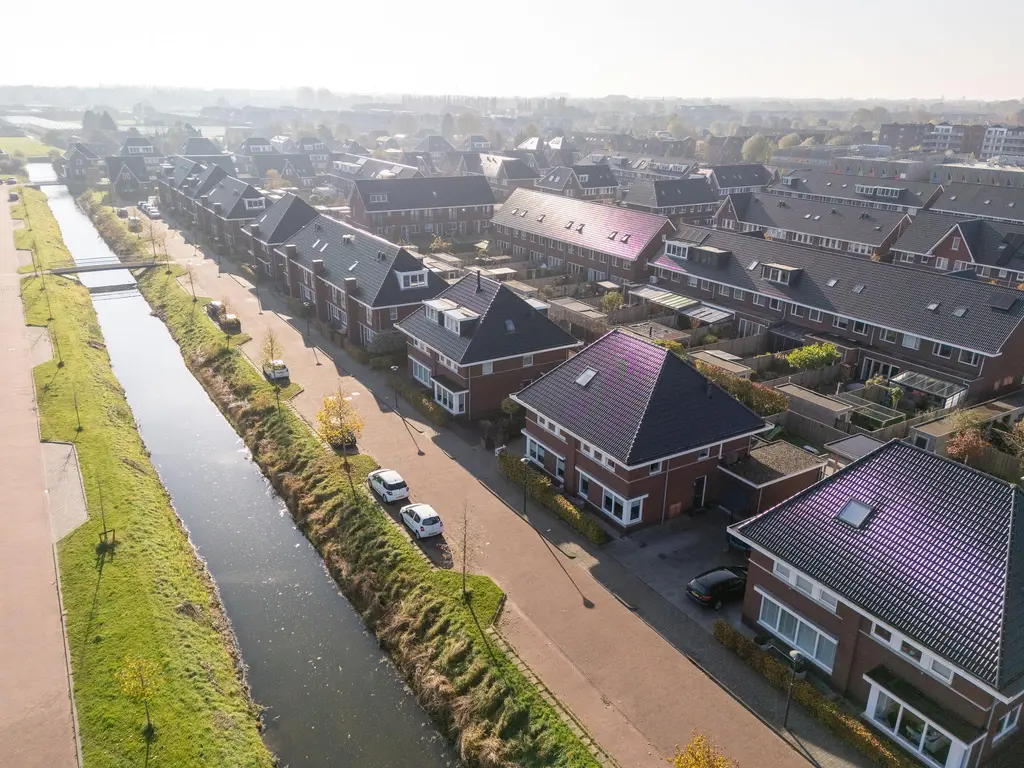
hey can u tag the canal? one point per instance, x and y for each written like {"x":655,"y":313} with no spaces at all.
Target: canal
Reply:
{"x":332,"y":697}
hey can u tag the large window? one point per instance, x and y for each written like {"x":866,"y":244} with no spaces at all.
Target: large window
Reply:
{"x":1009,"y":722}
{"x":453,"y":402}
{"x":804,"y":636}
{"x":911,"y":730}
{"x":535,"y":450}
{"x":420,"y":372}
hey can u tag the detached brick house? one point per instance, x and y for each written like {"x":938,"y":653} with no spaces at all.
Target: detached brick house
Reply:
{"x":360,"y":285}
{"x":635,"y":431}
{"x":900,"y":579}
{"x":591,"y":241}
{"x":130,"y":176}
{"x":477,"y":342}
{"x":272,"y":229}
{"x":81,"y":165}
{"x":424,"y":207}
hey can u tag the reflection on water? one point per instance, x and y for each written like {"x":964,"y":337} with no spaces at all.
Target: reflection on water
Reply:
{"x":332,"y":697}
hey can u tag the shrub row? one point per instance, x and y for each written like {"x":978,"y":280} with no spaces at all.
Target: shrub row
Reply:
{"x":762,"y":400}
{"x":113,"y":230}
{"x":879,"y":749}
{"x":421,"y":401}
{"x":540,"y":489}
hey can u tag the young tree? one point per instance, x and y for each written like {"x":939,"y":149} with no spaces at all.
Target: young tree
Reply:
{"x":273,"y":180}
{"x":140,"y":680}
{"x":814,"y":356}
{"x":810,"y":141}
{"x":154,"y":237}
{"x":701,"y":752}
{"x":462,"y":549}
{"x":337,"y":422}
{"x":966,"y":446}
{"x":757,"y":149}
{"x":789,"y":140}
{"x":190,"y":272}
{"x":611,"y":301}
{"x":270,"y":349}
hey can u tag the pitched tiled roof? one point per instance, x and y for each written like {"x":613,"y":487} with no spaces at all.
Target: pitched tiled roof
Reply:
{"x":435,"y":143}
{"x":642,"y":404}
{"x":748,"y":175}
{"x":927,"y":229}
{"x":825,"y":184}
{"x":492,"y":337}
{"x":982,"y":200}
{"x":597,"y":177}
{"x":283,"y":219}
{"x":940,"y":557}
{"x":671,"y":192}
{"x":354,"y":167}
{"x":284,"y":164}
{"x":202,"y":179}
{"x":991,"y":243}
{"x":548,"y":216}
{"x":135,"y":164}
{"x":256,"y":141}
{"x":353,"y":147}
{"x":136,"y":141}
{"x":669,"y":167}
{"x":850,"y":223}
{"x":515,"y":169}
{"x":232,"y":193}
{"x":199,"y":145}
{"x":223,"y":161}
{"x":83,"y":150}
{"x":893,"y":297}
{"x":429,"y":192}
{"x":376,"y":283}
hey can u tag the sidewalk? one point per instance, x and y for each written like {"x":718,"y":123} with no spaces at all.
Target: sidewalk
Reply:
{"x":580,"y":622}
{"x":36,"y":724}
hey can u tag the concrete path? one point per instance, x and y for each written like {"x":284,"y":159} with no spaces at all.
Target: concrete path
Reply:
{"x":36,"y":722}
{"x":65,"y":492}
{"x":637,"y":695}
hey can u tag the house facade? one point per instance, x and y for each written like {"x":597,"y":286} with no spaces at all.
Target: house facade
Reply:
{"x":896,"y":595}
{"x":422,"y":208}
{"x":737,"y":179}
{"x":130,"y":177}
{"x":223,"y":212}
{"x":590,"y":241}
{"x":271,"y":229}
{"x":887,"y":195}
{"x":953,"y":339}
{"x":689,"y":201}
{"x":589,"y":182}
{"x":504,"y":174}
{"x":81,"y":165}
{"x":633,"y":431}
{"x":477,"y":342}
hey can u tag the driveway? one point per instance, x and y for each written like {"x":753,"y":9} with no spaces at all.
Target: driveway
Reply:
{"x":566,"y":615}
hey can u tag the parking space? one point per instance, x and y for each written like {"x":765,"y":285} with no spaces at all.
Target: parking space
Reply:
{"x":667,"y":557}
{"x":435,"y":547}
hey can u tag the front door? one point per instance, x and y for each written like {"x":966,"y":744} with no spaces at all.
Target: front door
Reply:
{"x":699,"y":486}
{"x":560,"y":470}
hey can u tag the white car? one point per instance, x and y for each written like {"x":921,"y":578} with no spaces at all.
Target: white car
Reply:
{"x":275,"y":369}
{"x":389,"y":485}
{"x":422,"y":520}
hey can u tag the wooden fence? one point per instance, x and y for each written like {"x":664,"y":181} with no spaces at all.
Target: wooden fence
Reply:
{"x":807,"y":378}
{"x":814,"y":432}
{"x":748,"y":346}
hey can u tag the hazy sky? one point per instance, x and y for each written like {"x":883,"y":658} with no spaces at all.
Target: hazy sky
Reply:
{"x":799,"y":48}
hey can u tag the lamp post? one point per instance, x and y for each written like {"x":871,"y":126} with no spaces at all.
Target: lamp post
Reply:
{"x":394,"y":383}
{"x":797,"y":659}
{"x":308,"y":306}
{"x":524,"y":461}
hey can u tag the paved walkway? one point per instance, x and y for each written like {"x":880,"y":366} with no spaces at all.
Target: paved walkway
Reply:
{"x":36,"y":722}
{"x":579,"y":620}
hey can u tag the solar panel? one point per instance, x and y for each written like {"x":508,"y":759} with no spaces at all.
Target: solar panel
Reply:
{"x":1002,"y":301}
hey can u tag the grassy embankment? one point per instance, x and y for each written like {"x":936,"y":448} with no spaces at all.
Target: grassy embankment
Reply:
{"x":149,"y":596}
{"x":41,"y":233}
{"x":31,"y":147}
{"x":470,"y":688}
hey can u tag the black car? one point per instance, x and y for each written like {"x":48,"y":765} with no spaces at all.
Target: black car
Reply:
{"x":719,"y":585}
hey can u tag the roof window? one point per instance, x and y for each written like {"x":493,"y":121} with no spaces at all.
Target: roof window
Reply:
{"x":579,"y":229}
{"x":959,"y":311}
{"x":613,"y":235}
{"x":753,"y":265}
{"x":858,"y":288}
{"x":569,"y":225}
{"x":832,"y":283}
{"x":584,"y":378}
{"x":855,"y":513}
{"x":933,"y":306}
{"x":510,"y":326}
{"x":624,"y":238}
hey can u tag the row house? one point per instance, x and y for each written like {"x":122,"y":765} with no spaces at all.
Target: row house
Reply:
{"x":436,"y":146}
{"x":130,"y":177}
{"x":590,"y":182}
{"x":225,"y":209}
{"x":988,"y":174}
{"x":537,"y":159}
{"x":950,"y":338}
{"x":182,"y":181}
{"x":833,"y":227}
{"x":899,"y":580}
{"x":590,"y":241}
{"x":254,"y":146}
{"x":358,"y":284}
{"x":683,"y":201}
{"x":477,"y":342}
{"x":736,"y":179}
{"x":994,"y":203}
{"x":724,"y":149}
{"x":888,"y":195}
{"x":319,"y":154}
{"x":917,"y":169}
{"x":504,"y":174}
{"x":272,"y":229}
{"x":555,"y":151}
{"x":347,"y":169}
{"x":634,"y":431}
{"x":421,"y":161}
{"x":81,"y":165}
{"x":296,"y":169}
{"x":630,"y":168}
{"x":993,"y":250}
{"x":421,"y":208}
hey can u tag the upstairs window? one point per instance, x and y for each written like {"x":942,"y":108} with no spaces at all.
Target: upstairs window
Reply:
{"x":412,"y":279}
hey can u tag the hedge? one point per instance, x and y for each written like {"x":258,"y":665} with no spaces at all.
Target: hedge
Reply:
{"x":762,"y":400}
{"x":421,"y":401}
{"x":879,"y":749}
{"x":540,"y":489}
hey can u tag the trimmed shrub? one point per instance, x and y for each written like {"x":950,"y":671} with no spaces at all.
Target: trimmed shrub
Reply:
{"x":879,"y":749}
{"x":540,"y":489}
{"x":762,"y":400}
{"x":814,"y":357}
{"x":421,"y":401}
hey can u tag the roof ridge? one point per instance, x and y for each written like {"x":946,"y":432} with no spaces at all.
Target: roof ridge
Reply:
{"x":1014,"y":493}
{"x":487,"y":309}
{"x":647,"y":406}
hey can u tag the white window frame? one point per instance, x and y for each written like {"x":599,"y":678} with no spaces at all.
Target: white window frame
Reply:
{"x":527,"y":361}
{"x":758,"y":300}
{"x":392,"y":313}
{"x":911,"y":341}
{"x":820,"y":634}
{"x":973,"y":358}
{"x":421,"y":372}
{"x":869,"y":714}
{"x":656,"y":468}
{"x":942,"y":263}
{"x":448,"y":363}
{"x":838,"y":321}
{"x":1008,"y":723}
{"x":814,"y":315}
{"x":888,"y":335}
{"x":956,"y":244}
{"x":863,"y":328}
{"x":458,"y":399}
{"x":806,"y":585}
{"x":927,"y":661}
{"x":486,"y":368}
{"x":937,"y":349}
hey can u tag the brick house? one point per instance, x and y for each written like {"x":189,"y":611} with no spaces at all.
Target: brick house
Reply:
{"x":477,"y":342}
{"x":182,"y":180}
{"x":768,"y":475}
{"x":629,"y":168}
{"x":296,"y":169}
{"x":993,"y":250}
{"x":981,"y":201}
{"x":223,"y":211}
{"x":634,"y":431}
{"x":359,"y":284}
{"x":900,"y":580}
{"x":734,"y":179}
{"x":199,"y":145}
{"x":842,"y":228}
{"x":130,"y":177}
{"x":504,"y":174}
{"x":689,"y":201}
{"x":591,"y":241}
{"x":589,"y":182}
{"x":254,"y":146}
{"x":421,"y":208}
{"x":272,"y":229}
{"x":884,"y":194}
{"x":319,"y":154}
{"x":81,"y":165}
{"x":952,"y":339}
{"x":345,"y":170}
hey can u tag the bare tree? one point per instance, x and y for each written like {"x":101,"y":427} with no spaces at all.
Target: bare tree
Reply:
{"x":461,"y":548}
{"x":190,"y":272}
{"x":155,"y":238}
{"x":270,"y":350}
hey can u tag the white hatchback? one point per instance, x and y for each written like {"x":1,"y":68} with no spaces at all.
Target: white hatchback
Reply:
{"x":389,"y":485}
{"x":275,"y":369}
{"x":422,"y":520}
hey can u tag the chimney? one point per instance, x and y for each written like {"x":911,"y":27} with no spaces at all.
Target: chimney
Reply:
{"x":291,"y":250}
{"x":217,"y":207}
{"x":478,"y":281}
{"x":350,"y":286}
{"x":318,"y":266}
{"x":254,"y":230}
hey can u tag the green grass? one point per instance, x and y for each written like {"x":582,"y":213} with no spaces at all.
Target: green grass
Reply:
{"x":437,"y":639}
{"x":41,"y":233}
{"x":149,"y":597}
{"x":31,"y":147}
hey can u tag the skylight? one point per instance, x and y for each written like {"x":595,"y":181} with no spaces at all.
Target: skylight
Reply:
{"x":858,"y":288}
{"x":613,"y":234}
{"x":933,"y":306}
{"x":959,"y":311}
{"x":753,"y":265}
{"x":832,"y":283}
{"x":584,"y":378}
{"x":855,"y":513}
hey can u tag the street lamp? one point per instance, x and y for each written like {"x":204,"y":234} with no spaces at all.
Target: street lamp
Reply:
{"x":524,"y":461}
{"x":394,"y":383}
{"x":308,"y":306}
{"x":797,"y":659}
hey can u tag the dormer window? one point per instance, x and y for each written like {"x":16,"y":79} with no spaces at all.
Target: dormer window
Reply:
{"x":378,"y":198}
{"x":776,"y":273}
{"x":408,"y":280}
{"x":255,"y":203}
